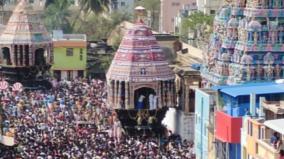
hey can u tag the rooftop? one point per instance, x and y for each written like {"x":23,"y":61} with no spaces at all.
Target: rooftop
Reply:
{"x":58,"y":35}
{"x":247,"y":89}
{"x":277,"y":125}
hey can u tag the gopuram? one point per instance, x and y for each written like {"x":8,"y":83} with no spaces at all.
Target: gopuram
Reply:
{"x":247,"y":43}
{"x":26,"y":48}
{"x":140,"y":82}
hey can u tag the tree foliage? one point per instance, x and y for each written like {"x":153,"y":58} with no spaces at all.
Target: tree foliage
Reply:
{"x":100,"y":27}
{"x":196,"y":22}
{"x":95,"y":6}
{"x":57,"y":14}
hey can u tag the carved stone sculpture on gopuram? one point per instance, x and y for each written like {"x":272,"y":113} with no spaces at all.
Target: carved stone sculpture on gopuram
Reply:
{"x":247,"y":43}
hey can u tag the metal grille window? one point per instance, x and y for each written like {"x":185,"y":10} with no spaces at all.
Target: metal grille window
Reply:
{"x":69,"y":52}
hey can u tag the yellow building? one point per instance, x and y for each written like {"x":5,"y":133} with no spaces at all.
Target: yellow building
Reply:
{"x":257,"y":133}
{"x":70,"y":55}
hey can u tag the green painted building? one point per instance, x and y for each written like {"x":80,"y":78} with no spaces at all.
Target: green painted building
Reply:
{"x":70,"y":55}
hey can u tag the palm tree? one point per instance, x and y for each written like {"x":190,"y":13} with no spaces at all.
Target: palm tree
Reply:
{"x":48,"y":2}
{"x":57,"y":14}
{"x":95,"y":6}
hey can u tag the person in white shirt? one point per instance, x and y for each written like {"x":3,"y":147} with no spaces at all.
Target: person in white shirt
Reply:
{"x":155,"y":102}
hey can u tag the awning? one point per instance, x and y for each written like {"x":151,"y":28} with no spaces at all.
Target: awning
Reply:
{"x":276,"y":125}
{"x":247,"y":89}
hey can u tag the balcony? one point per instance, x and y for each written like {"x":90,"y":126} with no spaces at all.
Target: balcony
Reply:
{"x":227,"y":128}
{"x":276,"y":107}
{"x":266,"y":150}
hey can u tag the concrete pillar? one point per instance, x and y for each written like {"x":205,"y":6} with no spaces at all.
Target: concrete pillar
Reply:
{"x":126,"y":102}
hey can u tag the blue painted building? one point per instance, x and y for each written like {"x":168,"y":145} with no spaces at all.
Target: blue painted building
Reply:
{"x":204,"y":115}
{"x":234,"y":102}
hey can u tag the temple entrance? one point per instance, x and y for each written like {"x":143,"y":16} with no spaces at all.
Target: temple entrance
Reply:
{"x":142,"y":94}
{"x":6,"y":56}
{"x":39,"y":57}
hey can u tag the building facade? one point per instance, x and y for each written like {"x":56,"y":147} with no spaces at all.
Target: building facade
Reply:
{"x":169,"y":10}
{"x":257,"y":131}
{"x":204,"y":123}
{"x":122,"y":6}
{"x":209,"y":6}
{"x":70,"y":56}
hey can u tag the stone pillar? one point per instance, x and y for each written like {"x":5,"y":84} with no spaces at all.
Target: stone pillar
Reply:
{"x":126,"y":102}
{"x":119,"y":94}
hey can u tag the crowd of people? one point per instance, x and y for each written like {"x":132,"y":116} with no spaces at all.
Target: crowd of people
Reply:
{"x":72,"y":120}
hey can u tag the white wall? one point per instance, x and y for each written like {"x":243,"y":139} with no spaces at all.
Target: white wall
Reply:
{"x":180,"y":123}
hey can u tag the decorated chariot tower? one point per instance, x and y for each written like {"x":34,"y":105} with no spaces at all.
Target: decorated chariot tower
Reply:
{"x":139,"y":78}
{"x":26,"y":48}
{"x":247,"y":44}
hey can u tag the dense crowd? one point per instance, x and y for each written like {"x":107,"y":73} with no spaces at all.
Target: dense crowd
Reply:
{"x":73,"y":121}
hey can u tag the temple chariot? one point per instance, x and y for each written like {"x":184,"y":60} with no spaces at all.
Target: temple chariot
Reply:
{"x":140,"y":84}
{"x":26,"y":48}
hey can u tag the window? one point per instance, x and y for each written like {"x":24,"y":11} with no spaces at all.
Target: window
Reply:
{"x":122,"y":4}
{"x":212,"y":11}
{"x":81,"y":54}
{"x":250,"y":128}
{"x":175,"y":4}
{"x":69,"y":52}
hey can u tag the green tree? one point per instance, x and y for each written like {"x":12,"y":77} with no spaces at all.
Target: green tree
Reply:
{"x":95,"y":6}
{"x":57,"y":14}
{"x":194,"y":22}
{"x":154,"y":7}
{"x":99,"y":27}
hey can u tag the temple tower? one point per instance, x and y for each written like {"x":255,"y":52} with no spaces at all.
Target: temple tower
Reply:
{"x":140,"y":68}
{"x":26,"y":48}
{"x":247,"y":43}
